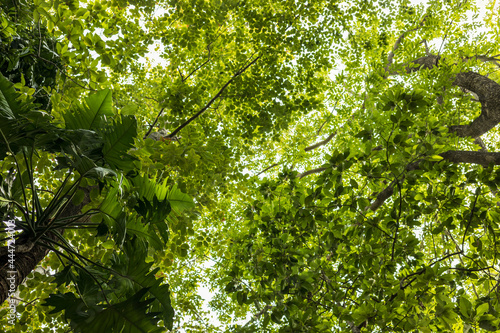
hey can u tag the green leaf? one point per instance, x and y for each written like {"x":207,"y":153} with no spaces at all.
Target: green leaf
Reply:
{"x":109,"y":244}
{"x":143,"y":232}
{"x":465,"y":307}
{"x":129,"y":109}
{"x":435,"y":158}
{"x":489,"y":323}
{"x":115,"y":215}
{"x":118,"y":139}
{"x":64,"y":302}
{"x":100,"y":173}
{"x":9,"y":107}
{"x":134,"y":267}
{"x":178,"y":200}
{"x":65,"y":276}
{"x":132,"y":316}
{"x":481,"y":309}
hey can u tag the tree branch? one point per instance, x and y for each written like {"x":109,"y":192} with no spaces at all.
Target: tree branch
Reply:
{"x":269,"y":167}
{"x":321,"y":143}
{"x":154,"y":123}
{"x":258,"y":315}
{"x":472,"y":157}
{"x":390,"y":58}
{"x":199,"y":113}
{"x":470,"y":218}
{"x":354,"y":328}
{"x":478,"y":141}
{"x":382,"y":197}
{"x":488,"y":92}
{"x":454,"y":156}
{"x":494,"y":59}
{"x":310,"y":172}
{"x":197,"y":68}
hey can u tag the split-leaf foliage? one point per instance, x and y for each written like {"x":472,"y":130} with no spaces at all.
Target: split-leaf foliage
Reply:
{"x":318,"y":166}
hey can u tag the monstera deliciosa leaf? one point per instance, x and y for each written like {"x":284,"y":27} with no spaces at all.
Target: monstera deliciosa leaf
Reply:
{"x":92,"y":114}
{"x":153,"y":202}
{"x":136,"y":300}
{"x":157,"y":202}
{"x":132,"y":265}
{"x":127,"y":316}
{"x":99,"y":135}
{"x":9,"y":107}
{"x":118,"y":139}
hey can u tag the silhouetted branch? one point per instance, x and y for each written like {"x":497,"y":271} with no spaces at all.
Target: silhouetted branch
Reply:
{"x":199,"y":113}
{"x":321,"y":143}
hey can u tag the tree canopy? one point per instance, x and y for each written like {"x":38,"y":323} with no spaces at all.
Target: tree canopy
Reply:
{"x":317,"y":166}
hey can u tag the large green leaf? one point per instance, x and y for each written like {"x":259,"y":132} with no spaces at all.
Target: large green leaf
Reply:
{"x":92,"y":113}
{"x":178,"y":200}
{"x":9,"y":107}
{"x":130,"y":316}
{"x":156,"y":202}
{"x":148,"y":188}
{"x":153,"y":211}
{"x":114,"y":215}
{"x":68,"y":302}
{"x":146,"y":233}
{"x":18,"y":126}
{"x":132,"y":265}
{"x":118,"y":139}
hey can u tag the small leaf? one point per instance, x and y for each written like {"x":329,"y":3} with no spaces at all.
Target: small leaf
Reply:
{"x":465,"y":307}
{"x":109,"y":244}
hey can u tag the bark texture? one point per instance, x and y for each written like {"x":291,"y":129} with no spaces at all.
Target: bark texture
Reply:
{"x":472,"y":157}
{"x":487,"y":91}
{"x":28,"y":254}
{"x":488,"y":94}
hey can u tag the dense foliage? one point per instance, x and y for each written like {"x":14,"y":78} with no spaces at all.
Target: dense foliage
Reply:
{"x":318,"y":166}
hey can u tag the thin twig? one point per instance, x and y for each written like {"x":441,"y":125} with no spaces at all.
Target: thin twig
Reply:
{"x":182,"y":77}
{"x":151,"y":98}
{"x":197,"y":68}
{"x":390,"y":58}
{"x":153,"y":124}
{"x":269,"y":167}
{"x":64,"y":73}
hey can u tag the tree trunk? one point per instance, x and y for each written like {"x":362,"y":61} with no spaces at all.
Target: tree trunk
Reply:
{"x":27,"y":255}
